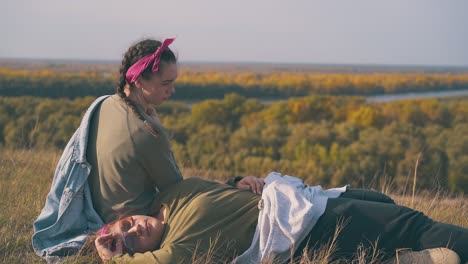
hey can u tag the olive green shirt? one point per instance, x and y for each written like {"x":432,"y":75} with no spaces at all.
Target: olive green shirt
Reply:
{"x":131,"y":160}
{"x":208,"y":221}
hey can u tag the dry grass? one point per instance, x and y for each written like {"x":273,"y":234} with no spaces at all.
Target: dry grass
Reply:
{"x":25,"y":178}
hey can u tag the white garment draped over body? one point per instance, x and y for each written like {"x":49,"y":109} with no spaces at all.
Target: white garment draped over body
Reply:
{"x":289,"y":209}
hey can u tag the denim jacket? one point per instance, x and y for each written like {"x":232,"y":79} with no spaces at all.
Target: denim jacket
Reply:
{"x":68,"y":216}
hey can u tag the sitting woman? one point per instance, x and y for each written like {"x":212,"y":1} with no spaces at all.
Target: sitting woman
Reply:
{"x":204,"y":218}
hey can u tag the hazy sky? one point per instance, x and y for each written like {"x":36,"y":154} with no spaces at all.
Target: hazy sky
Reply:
{"x":422,"y":32}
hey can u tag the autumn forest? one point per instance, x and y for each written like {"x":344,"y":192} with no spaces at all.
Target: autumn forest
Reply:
{"x":322,"y":130}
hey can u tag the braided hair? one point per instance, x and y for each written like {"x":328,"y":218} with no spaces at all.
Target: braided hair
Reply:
{"x":133,"y":54}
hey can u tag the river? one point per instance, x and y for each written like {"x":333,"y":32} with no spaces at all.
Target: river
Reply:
{"x":375,"y":98}
{"x":405,"y":96}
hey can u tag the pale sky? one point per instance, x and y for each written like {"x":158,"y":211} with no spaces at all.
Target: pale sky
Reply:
{"x":403,"y":32}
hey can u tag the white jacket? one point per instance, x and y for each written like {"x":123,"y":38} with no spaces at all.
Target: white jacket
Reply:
{"x":289,"y":209}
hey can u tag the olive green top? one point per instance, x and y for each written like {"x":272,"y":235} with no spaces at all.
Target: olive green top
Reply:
{"x":130,"y":159}
{"x":201,"y":213}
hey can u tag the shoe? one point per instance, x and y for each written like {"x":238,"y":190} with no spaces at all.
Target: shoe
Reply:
{"x":427,"y":256}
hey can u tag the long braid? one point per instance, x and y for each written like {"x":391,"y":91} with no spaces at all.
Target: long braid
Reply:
{"x":121,"y":87}
{"x":133,"y":54}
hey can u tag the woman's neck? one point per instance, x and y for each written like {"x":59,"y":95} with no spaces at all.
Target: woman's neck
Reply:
{"x":161,"y":215}
{"x":137,"y":97}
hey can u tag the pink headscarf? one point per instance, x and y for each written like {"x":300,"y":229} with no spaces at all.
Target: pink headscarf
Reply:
{"x":103,"y":230}
{"x":136,"y":69}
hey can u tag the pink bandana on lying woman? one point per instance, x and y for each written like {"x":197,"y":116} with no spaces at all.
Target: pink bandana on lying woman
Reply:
{"x":103,"y":230}
{"x":136,"y":69}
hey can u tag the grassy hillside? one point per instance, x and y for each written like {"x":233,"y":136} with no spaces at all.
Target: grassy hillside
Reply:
{"x":25,"y":178}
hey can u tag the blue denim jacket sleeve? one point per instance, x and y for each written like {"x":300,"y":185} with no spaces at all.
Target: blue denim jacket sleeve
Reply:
{"x":68,"y":216}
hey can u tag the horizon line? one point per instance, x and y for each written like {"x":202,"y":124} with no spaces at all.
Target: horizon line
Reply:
{"x":392,"y":65}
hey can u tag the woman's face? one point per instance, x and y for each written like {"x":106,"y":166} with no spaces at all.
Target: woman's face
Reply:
{"x":139,"y":233}
{"x":160,"y":86}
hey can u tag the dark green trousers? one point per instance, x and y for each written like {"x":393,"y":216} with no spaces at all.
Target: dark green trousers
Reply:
{"x":370,"y":218}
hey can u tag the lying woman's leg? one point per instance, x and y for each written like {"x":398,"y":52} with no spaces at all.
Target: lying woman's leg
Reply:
{"x":367,"y":195}
{"x":392,"y":226}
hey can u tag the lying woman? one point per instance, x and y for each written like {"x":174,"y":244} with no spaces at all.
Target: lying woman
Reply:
{"x":199,"y":217}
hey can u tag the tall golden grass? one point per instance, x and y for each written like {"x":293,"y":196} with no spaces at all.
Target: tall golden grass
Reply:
{"x":26,"y":175}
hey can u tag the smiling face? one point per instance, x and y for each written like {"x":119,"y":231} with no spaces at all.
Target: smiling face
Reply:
{"x":139,"y":233}
{"x":160,"y":86}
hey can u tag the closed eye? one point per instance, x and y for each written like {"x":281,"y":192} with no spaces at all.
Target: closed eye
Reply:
{"x":168,"y":81}
{"x":127,"y":224}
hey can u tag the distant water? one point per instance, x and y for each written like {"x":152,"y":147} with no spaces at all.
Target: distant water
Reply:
{"x":375,"y":98}
{"x":406,"y":96}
